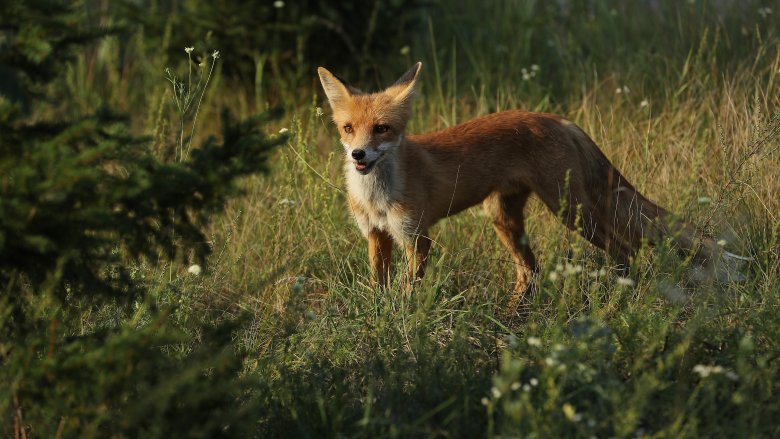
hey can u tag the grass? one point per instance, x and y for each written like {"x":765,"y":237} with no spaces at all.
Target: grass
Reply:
{"x":693,"y":127}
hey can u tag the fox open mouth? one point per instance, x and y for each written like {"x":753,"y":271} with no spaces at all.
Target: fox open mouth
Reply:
{"x":365,"y":167}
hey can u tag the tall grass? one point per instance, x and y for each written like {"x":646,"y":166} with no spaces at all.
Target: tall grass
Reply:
{"x":681,"y":98}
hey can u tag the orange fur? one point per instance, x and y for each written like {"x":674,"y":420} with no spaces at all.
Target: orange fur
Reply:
{"x":400,"y":186}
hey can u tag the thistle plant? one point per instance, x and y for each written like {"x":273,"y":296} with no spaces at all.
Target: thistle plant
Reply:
{"x":188,"y":98}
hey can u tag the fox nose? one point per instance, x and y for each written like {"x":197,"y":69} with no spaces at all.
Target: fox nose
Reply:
{"x":358,"y":154}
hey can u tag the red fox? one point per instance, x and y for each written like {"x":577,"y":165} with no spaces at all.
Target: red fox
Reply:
{"x":400,"y":185}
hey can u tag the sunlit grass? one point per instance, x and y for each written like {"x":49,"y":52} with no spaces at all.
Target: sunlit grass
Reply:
{"x":686,"y":114}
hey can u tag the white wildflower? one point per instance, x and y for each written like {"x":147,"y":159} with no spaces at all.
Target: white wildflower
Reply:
{"x":722,"y":242}
{"x":284,"y":130}
{"x":705,"y":370}
{"x":405,"y":50}
{"x":485,"y":401}
{"x":526,"y":388}
{"x":704,"y":200}
{"x":194,"y":269}
{"x":495,"y":392}
{"x":515,"y":386}
{"x":534,"y":382}
{"x":553,"y":276}
{"x":318,"y":112}
{"x":644,"y":103}
{"x":189,"y":50}
{"x":534,"y":341}
{"x":215,"y":54}
{"x":625,"y":281}
{"x":534,"y":67}
{"x":278,"y":4}
{"x":571,"y":269}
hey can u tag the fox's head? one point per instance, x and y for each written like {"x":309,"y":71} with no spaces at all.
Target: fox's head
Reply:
{"x":371,"y":125}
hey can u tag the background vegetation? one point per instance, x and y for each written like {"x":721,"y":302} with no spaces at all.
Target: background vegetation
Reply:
{"x":147,"y":292}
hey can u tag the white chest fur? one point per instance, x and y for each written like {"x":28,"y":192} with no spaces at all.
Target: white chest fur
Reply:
{"x":378,"y":195}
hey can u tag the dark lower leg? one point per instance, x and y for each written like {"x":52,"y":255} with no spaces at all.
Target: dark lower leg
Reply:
{"x":508,"y":221}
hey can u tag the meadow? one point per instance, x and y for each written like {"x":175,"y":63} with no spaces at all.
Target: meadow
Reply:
{"x":681,"y":96}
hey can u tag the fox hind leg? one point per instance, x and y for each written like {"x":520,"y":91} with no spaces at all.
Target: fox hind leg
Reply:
{"x":506,"y":211}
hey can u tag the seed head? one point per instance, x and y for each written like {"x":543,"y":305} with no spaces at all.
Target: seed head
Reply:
{"x":194,"y":269}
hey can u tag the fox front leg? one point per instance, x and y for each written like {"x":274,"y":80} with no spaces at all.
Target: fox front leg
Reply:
{"x":380,"y":248}
{"x":417,"y":253}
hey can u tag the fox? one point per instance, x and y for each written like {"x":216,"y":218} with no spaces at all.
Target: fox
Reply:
{"x":399,"y":185}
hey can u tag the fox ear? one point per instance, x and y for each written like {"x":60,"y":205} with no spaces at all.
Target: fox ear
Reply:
{"x":336,"y":90}
{"x":403,"y":89}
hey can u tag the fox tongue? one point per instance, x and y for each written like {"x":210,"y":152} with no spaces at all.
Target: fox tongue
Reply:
{"x":360,"y":166}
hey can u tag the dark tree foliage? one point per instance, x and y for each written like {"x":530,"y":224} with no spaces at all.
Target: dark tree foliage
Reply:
{"x":80,"y":202}
{"x":359,"y":37}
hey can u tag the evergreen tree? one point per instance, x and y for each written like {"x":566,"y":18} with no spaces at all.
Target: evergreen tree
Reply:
{"x":81,"y":202}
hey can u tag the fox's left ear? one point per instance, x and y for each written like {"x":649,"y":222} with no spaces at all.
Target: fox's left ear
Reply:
{"x":403,"y":89}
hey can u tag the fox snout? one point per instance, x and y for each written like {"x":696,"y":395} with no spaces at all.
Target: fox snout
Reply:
{"x":365,"y":158}
{"x":358,"y":154}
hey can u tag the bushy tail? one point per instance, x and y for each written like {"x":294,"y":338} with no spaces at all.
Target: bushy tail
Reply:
{"x":638,"y":219}
{"x":613,"y":215}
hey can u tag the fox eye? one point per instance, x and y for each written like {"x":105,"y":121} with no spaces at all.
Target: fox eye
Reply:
{"x":348,"y":128}
{"x":381,"y":129}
